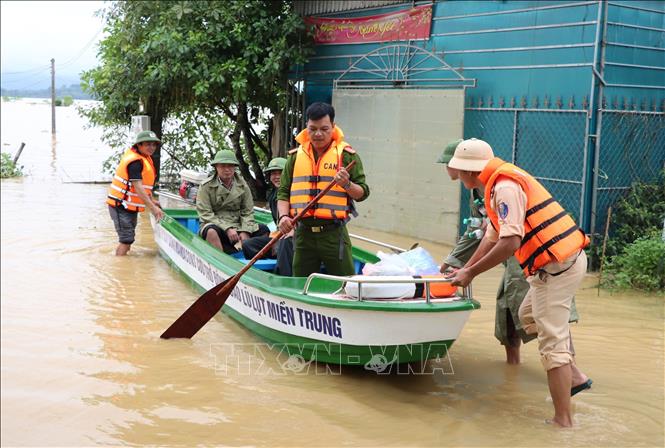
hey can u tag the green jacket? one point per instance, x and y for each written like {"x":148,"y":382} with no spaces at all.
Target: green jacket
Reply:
{"x":225,"y":208}
{"x":357,"y":175}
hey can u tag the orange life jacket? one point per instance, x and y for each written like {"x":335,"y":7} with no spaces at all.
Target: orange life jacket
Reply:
{"x":122,"y":191}
{"x":550,"y":234}
{"x":310,"y":177}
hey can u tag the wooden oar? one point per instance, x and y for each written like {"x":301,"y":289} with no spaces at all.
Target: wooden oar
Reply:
{"x":209,"y":304}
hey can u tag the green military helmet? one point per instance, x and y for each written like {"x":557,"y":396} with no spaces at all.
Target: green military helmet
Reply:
{"x":146,"y":136}
{"x":278,"y":163}
{"x":225,"y":156}
{"x":449,"y":151}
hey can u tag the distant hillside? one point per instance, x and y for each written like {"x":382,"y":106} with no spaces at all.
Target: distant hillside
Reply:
{"x":73,"y":90}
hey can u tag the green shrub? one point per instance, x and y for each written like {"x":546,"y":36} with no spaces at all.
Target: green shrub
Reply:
{"x":58,"y":102}
{"x":7,"y":166}
{"x":641,"y":265}
{"x":67,"y":100}
{"x":638,"y":213}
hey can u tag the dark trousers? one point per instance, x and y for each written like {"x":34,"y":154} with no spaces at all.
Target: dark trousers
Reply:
{"x":332,"y":247}
{"x":283,"y":248}
{"x":228,"y":246}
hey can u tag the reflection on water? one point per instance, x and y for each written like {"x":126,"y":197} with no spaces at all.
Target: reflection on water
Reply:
{"x":82,"y":362}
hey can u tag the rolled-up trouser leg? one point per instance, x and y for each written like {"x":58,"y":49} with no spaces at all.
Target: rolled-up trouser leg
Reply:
{"x":550,"y":297}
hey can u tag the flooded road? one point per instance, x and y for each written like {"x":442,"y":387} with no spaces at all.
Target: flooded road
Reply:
{"x":82,"y":362}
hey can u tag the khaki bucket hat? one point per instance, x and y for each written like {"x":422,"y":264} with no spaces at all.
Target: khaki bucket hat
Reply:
{"x":146,"y":136}
{"x":448,"y":151}
{"x":225,"y":156}
{"x":471,"y":155}
{"x":278,"y":163}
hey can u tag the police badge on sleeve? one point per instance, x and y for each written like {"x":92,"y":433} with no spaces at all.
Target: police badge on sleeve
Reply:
{"x":503,"y":210}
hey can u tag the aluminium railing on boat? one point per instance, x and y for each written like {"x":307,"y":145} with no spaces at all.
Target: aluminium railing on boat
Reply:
{"x":467,"y":291}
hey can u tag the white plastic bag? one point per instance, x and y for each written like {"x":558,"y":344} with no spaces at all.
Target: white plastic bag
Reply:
{"x":412,"y":262}
{"x":388,"y":264}
{"x":420,"y":261}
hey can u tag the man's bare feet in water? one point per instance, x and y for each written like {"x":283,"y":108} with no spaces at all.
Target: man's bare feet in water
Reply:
{"x":512,"y":354}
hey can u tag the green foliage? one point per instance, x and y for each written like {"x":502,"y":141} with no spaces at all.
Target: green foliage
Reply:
{"x":66,"y":101}
{"x":635,"y":255}
{"x":193,"y":139}
{"x":640,"y":212}
{"x":185,"y":59}
{"x":641,"y":265}
{"x":117,"y":137}
{"x":8,"y":168}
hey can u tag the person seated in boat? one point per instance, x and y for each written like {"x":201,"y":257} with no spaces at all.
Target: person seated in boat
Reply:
{"x":321,"y":236}
{"x":225,"y":206}
{"x":513,"y":287}
{"x":130,"y":191}
{"x":283,"y":250}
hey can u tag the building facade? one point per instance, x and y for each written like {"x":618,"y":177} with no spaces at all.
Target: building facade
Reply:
{"x":571,"y":91}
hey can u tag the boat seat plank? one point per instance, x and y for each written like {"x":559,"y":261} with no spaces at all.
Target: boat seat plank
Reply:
{"x":265,"y":264}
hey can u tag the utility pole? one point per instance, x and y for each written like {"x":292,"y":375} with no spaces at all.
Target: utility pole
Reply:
{"x":52,"y":96}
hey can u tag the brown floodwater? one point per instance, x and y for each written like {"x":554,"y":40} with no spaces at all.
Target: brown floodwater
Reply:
{"x":82,"y":362}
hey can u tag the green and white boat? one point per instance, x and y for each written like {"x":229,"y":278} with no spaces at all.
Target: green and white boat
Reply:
{"x":314,"y":317}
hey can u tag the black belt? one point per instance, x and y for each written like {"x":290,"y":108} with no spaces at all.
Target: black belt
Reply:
{"x":319,"y":229}
{"x":561,"y":272}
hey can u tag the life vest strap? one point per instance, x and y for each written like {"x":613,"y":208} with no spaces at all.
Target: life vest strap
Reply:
{"x":133,"y":204}
{"x":314,"y":191}
{"x":299,"y":205}
{"x":116,"y":188}
{"x":542,"y":225}
{"x":307,"y":192}
{"x":120,"y":179}
{"x":555,"y":239}
{"x":538,"y":207}
{"x":312,"y":178}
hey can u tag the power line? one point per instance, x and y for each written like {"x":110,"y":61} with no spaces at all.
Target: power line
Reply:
{"x":42,"y":68}
{"x":25,"y":78}
{"x":83,"y":50}
{"x":29,"y":86}
{"x":46,"y":68}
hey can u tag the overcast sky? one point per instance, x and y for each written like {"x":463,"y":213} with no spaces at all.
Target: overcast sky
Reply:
{"x":33,"y":32}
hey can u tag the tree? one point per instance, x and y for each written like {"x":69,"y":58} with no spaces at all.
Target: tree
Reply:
{"x":189,"y":61}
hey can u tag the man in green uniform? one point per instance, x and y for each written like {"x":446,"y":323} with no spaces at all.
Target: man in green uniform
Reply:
{"x":225,"y":206}
{"x":283,"y":250}
{"x":513,"y":287}
{"x":321,"y":236}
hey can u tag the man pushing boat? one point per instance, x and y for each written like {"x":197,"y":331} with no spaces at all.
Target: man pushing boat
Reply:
{"x":527,"y":222}
{"x":513,"y":287}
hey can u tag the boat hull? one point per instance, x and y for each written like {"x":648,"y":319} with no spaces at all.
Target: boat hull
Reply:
{"x":317,"y":326}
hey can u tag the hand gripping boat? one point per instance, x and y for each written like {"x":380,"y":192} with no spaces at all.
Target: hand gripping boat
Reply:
{"x":340,"y":320}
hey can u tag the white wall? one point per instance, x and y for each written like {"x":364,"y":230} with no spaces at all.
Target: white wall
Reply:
{"x":399,"y":134}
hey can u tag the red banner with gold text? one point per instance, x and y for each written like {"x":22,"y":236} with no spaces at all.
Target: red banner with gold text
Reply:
{"x":408,"y":24}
